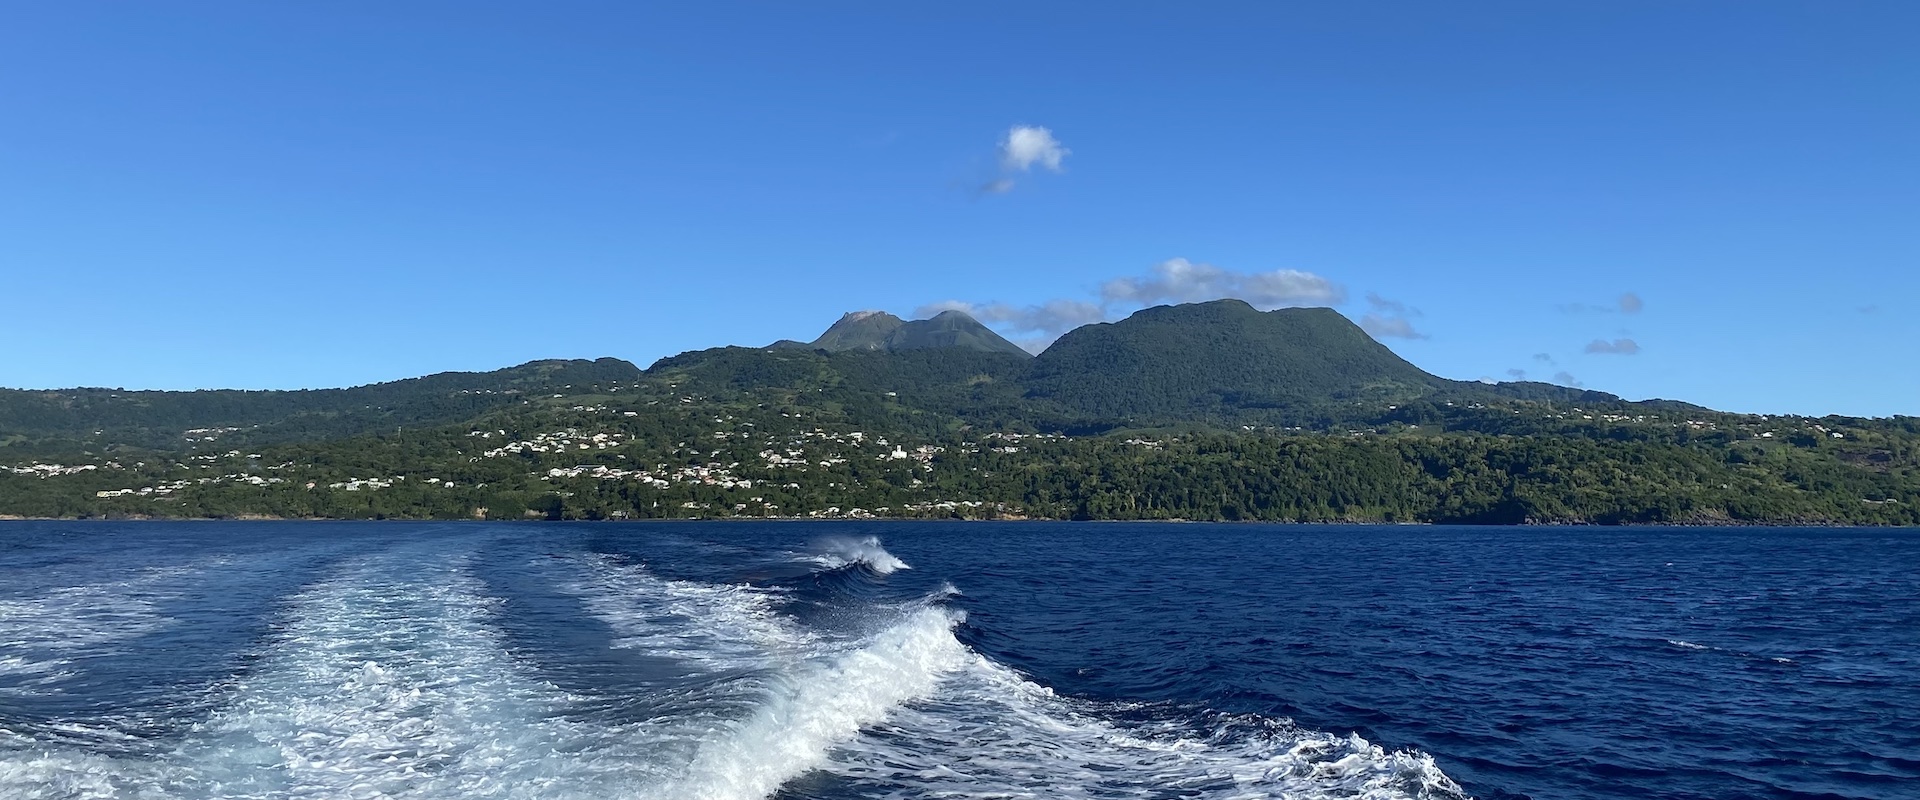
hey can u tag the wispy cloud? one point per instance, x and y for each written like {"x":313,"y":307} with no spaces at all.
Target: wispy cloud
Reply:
{"x":1051,"y":318}
{"x":1178,"y":280}
{"x":1389,"y":319}
{"x":1628,"y":303}
{"x":1517,"y":374}
{"x":1544,"y":358}
{"x":1565,"y":378}
{"x":1380,"y":327}
{"x":1620,"y":347}
{"x":1023,"y":148}
{"x":1175,"y":280}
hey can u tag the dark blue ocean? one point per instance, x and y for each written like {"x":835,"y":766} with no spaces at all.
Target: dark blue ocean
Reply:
{"x":992,"y":660}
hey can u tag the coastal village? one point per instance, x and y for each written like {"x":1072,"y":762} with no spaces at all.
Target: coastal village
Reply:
{"x":751,"y":462}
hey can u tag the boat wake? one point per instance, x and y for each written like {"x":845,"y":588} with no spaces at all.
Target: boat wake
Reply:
{"x":392,"y":679}
{"x":43,"y":636}
{"x":992,"y":733}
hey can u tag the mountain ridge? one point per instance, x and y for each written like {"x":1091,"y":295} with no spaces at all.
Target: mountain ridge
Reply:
{"x":879,"y":331}
{"x":1216,"y":362}
{"x":1196,"y":411}
{"x":152,"y":415}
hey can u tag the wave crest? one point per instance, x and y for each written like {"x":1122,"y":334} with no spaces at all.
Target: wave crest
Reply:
{"x":807,"y":713}
{"x":836,"y":552}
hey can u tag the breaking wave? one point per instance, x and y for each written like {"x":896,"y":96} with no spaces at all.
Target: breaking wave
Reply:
{"x":838,"y":552}
{"x":807,"y":712}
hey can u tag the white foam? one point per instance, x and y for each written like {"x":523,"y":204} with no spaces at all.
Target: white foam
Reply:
{"x":44,"y":774}
{"x":41,"y":637}
{"x":793,"y":694}
{"x":835,"y":552}
{"x":990,"y":733}
{"x":825,"y":703}
{"x":717,"y":626}
{"x":389,"y":681}
{"x":392,"y":680}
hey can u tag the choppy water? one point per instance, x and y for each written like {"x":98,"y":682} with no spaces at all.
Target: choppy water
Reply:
{"x":797,"y":660}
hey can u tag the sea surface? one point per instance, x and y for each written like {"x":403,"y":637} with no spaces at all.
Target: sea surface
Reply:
{"x":739,"y":660}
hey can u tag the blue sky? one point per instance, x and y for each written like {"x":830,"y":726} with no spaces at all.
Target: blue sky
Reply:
{"x":281,"y":195}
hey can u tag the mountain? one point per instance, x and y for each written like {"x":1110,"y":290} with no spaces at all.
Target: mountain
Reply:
{"x":950,"y":329}
{"x":1213,"y":363}
{"x":859,"y":330}
{"x":1214,"y":359}
{"x":1219,"y":363}
{"x":878,"y":331}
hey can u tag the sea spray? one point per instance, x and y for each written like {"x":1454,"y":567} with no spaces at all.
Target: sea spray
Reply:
{"x":837,"y":552}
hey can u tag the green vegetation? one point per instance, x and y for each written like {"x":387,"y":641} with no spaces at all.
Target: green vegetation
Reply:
{"x":108,"y":417}
{"x":1213,"y":411}
{"x":1222,"y":361}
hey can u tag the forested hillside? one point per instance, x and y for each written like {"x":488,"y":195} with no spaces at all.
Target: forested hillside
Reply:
{"x":167,"y":419}
{"x":1219,"y":361}
{"x":1210,"y":411}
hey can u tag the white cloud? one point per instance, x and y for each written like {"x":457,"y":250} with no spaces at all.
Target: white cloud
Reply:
{"x":1621,"y":347}
{"x":1041,"y":323}
{"x":1023,"y":148}
{"x":1027,"y":145}
{"x":1178,"y":280}
{"x":1175,"y":280}
{"x":1053,"y":316}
